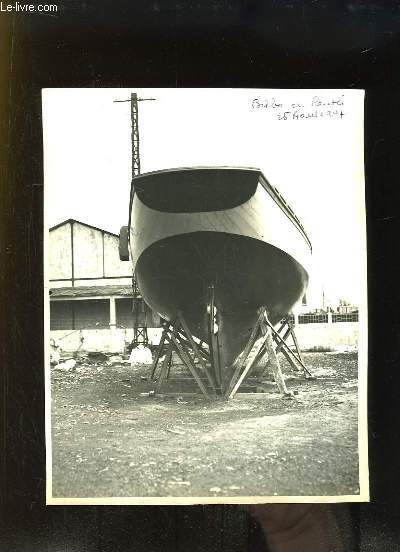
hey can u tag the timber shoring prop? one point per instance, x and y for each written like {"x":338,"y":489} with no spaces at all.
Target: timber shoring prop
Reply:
{"x":179,"y":339}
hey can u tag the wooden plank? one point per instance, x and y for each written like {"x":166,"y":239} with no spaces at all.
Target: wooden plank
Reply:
{"x":164,"y":368}
{"x":188,"y":362}
{"x":158,"y":353}
{"x":196,"y":349}
{"x":251,"y":396}
{"x":279,"y":345}
{"x":274,"y":363}
{"x":169,"y":365}
{"x":250,"y":361}
{"x":296,"y":343}
{"x":246,"y":351}
{"x":288,"y":349}
{"x":239,"y":395}
{"x":204,"y":353}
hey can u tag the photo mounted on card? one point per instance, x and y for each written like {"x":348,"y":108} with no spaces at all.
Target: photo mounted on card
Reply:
{"x":206,"y":297}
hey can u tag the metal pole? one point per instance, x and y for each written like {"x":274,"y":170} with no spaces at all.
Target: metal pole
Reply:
{"x":139,"y":331}
{"x":135,"y":135}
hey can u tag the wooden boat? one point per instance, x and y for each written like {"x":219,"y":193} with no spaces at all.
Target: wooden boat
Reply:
{"x":221,"y":228}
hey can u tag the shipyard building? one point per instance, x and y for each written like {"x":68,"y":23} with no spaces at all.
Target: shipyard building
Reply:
{"x":91,"y":300}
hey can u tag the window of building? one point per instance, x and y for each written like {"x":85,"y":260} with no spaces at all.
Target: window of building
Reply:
{"x":124,"y":312}
{"x":61,"y":315}
{"x":80,"y":315}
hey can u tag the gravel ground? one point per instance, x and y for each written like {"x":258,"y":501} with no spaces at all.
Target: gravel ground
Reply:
{"x":111,"y":441}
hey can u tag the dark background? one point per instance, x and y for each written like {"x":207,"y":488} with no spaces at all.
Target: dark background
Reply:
{"x":223,"y":43}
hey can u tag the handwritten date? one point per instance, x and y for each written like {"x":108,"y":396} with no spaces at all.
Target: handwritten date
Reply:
{"x":316,"y":107}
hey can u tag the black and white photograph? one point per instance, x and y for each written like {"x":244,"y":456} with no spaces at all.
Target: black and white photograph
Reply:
{"x":205,"y":296}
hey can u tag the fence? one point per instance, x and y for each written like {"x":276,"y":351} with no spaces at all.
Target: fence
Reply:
{"x":327,"y":331}
{"x":345,"y":317}
{"x":313,"y":319}
{"x":324,"y":318}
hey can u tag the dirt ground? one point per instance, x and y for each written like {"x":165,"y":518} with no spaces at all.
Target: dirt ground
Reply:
{"x":110,"y":440}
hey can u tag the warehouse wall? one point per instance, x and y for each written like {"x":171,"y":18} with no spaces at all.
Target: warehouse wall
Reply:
{"x":88,"y":252}
{"x":113,"y":266}
{"x":79,"y":251}
{"x":60,"y":253}
{"x":103,"y":340}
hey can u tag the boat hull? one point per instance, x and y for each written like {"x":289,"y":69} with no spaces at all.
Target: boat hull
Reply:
{"x":251,"y":253}
{"x":175,"y":274}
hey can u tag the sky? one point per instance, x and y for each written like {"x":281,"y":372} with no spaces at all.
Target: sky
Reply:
{"x":308,"y":143}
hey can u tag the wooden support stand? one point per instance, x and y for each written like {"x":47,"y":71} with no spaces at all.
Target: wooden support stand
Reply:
{"x":295,"y":358}
{"x":264,"y":340}
{"x":261,"y":342}
{"x":177,"y":337}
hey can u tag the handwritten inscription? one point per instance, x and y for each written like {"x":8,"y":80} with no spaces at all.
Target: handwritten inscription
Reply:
{"x":315,"y":108}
